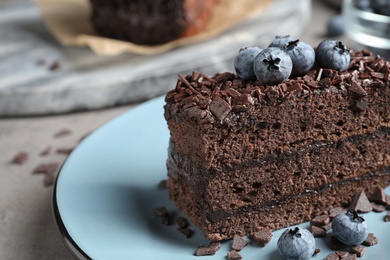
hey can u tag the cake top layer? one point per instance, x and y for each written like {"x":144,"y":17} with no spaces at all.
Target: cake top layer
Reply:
{"x":201,"y":96}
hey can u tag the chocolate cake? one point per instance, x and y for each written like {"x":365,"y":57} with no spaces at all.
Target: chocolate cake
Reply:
{"x":243,"y":155}
{"x":150,"y":22}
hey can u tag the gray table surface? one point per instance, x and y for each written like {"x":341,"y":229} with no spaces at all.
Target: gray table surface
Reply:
{"x":27,"y":228}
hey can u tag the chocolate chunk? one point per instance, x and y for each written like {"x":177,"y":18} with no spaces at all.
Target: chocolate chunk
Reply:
{"x":387,"y":217}
{"x":210,"y":250}
{"x":335,"y":211}
{"x":62,"y":132}
{"x":186,"y":232}
{"x":332,"y":256}
{"x":341,"y":253}
{"x":317,"y":231}
{"x":48,"y":180}
{"x":64,"y":150}
{"x":182,"y":222}
{"x":45,"y":168}
{"x":361,"y":203}
{"x":161,"y":212}
{"x":358,"y":250}
{"x":54,"y":66}
{"x":321,"y":220}
{"x":377,"y":207}
{"x":316,"y":251}
{"x":233,"y":255}
{"x":46,"y":151}
{"x":220,"y":108}
{"x":357,"y":89}
{"x":349,"y":257}
{"x":261,"y":237}
{"x":20,"y":158}
{"x":327,"y":226}
{"x":163,"y":184}
{"x":378,"y":195}
{"x":242,"y":103}
{"x":371,"y":240}
{"x":238,"y":243}
{"x":362,"y":104}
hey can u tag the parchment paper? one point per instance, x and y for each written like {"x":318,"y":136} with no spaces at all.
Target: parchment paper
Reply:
{"x":69,"y":21}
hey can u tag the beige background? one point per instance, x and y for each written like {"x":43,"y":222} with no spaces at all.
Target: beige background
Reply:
{"x":27,"y":229}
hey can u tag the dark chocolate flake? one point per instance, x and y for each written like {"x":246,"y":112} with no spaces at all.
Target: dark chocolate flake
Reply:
{"x":321,"y":220}
{"x":358,"y":250}
{"x":361,"y":203}
{"x":332,"y":256}
{"x":242,"y":103}
{"x":182,"y":222}
{"x":210,"y":250}
{"x":261,"y":237}
{"x":356,"y":88}
{"x":377,"y":207}
{"x":378,"y":195}
{"x":317,"y":231}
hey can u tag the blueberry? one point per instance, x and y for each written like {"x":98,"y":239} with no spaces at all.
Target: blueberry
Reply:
{"x":243,"y":63}
{"x":349,"y":228}
{"x":332,"y":54}
{"x":302,"y":56}
{"x":296,"y":244}
{"x":335,"y":26}
{"x":280,"y":41}
{"x":272,"y":66}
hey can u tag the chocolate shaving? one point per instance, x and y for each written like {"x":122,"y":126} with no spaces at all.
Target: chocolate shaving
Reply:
{"x":357,"y":89}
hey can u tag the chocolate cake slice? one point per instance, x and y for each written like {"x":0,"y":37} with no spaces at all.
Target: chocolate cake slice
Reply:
{"x":150,"y":22}
{"x":243,"y":155}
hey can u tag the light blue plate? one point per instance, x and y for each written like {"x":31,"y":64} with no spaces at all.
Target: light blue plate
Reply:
{"x":107,"y":190}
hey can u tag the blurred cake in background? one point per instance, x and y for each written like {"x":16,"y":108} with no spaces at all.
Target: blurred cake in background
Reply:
{"x":155,"y":22}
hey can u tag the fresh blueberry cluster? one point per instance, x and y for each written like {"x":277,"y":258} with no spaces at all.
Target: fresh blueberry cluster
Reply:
{"x":349,"y":228}
{"x":286,"y":58}
{"x":296,"y":244}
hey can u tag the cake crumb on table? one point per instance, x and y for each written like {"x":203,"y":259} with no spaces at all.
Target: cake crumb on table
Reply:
{"x":210,"y":250}
{"x":238,"y":243}
{"x":262,"y":236}
{"x":234,"y":255}
{"x":20,"y":158}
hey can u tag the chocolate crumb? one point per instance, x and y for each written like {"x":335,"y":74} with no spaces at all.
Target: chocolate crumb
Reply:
{"x":234,"y":255}
{"x":46,"y":151}
{"x":163,"y":184}
{"x":332,"y":256}
{"x":317,"y":231}
{"x":64,"y":150}
{"x":62,"y":132}
{"x":20,"y":158}
{"x":387,"y":217}
{"x":261,"y":237}
{"x":238,"y":243}
{"x":220,"y":108}
{"x":371,"y":240}
{"x":358,"y":250}
{"x":321,"y":220}
{"x":210,"y":250}
{"x":377,"y":207}
{"x":182,"y":222}
{"x":361,"y":203}
{"x":186,"y":232}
